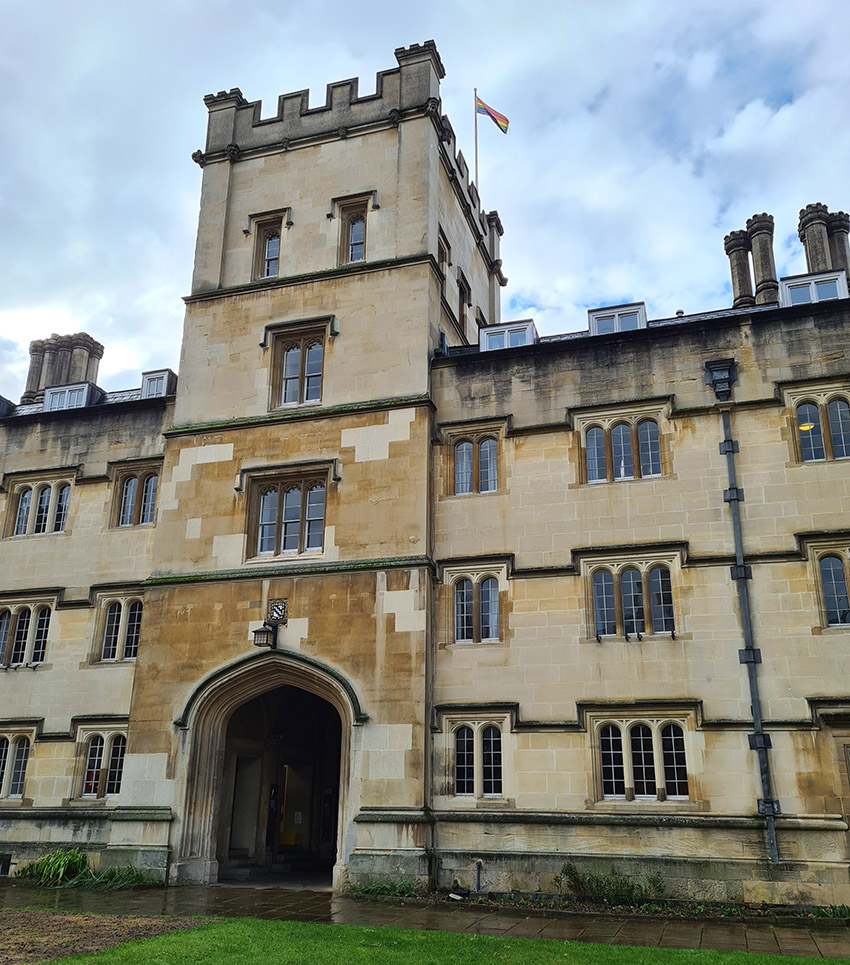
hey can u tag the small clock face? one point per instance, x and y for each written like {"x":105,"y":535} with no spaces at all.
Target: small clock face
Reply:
{"x":278,"y":611}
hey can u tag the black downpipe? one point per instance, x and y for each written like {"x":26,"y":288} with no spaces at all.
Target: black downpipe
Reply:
{"x":750,"y":656}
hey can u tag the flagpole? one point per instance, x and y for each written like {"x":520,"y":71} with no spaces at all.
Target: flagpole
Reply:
{"x":475,"y":109}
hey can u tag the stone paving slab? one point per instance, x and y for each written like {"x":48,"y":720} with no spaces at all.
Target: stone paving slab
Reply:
{"x":828,"y":939}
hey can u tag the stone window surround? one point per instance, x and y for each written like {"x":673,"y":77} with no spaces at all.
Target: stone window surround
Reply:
{"x":589,"y":563}
{"x":34,"y":605}
{"x":596,"y":720}
{"x":346,"y":208}
{"x":819,"y":394}
{"x":13,"y":735}
{"x":474,"y":432}
{"x":102,"y":603}
{"x":119,"y":473}
{"x":606,"y":418}
{"x":816,"y":549}
{"x":85,"y":732}
{"x":451,"y":724}
{"x":261,"y":226}
{"x":476,"y":572}
{"x":285,"y":336}
{"x":37,"y":481}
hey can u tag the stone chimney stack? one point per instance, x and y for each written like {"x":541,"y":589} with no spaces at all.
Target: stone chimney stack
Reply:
{"x":737,"y":245}
{"x":812,"y":231}
{"x":760,"y":231}
{"x":838,"y":229}
{"x":60,"y":360}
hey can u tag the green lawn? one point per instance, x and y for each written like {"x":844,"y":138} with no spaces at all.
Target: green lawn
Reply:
{"x":250,"y":941}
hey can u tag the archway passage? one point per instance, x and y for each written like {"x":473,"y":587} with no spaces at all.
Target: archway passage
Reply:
{"x":280,"y":788}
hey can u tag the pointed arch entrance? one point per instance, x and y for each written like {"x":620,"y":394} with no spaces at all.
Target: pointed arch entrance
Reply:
{"x":267,"y":742}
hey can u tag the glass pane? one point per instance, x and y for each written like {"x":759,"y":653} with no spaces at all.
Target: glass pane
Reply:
{"x":315,"y":517}
{"x":611,"y":759}
{"x":5,"y":621}
{"x":661,"y":597}
{"x":291,"y":373}
{"x":496,"y":340}
{"x":811,"y":433}
{"x":128,"y":501}
{"x":291,"y":520}
{"x":464,"y":761}
{"x":148,"y":513}
{"x":267,"y":523}
{"x":675,"y":767}
{"x":111,"y":627}
{"x":19,"y":643}
{"x":94,"y":759}
{"x":313,"y":373}
{"x":134,"y":627}
{"x":603,"y":602}
{"x":594,"y":450}
{"x":272,"y":255}
{"x":826,"y":290}
{"x":650,"y":448}
{"x":605,"y":325}
{"x":19,"y":767}
{"x":356,"y":239}
{"x":838,"y":412}
{"x":491,"y":762}
{"x":42,"y":504}
{"x":643,"y":761}
{"x":22,"y":516}
{"x":628,"y":321}
{"x":116,"y":765}
{"x":834,"y":583}
{"x":800,"y":294}
{"x":621,"y":451}
{"x":632,"y":593}
{"x":516,"y":338}
{"x":57,"y":401}
{"x":42,"y":627}
{"x":463,"y":610}
{"x":75,"y":398}
{"x":463,"y":467}
{"x":488,"y":470}
{"x":489,"y":609}
{"x":61,"y":515}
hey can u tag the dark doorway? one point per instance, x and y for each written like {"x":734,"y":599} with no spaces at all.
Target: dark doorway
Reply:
{"x":280,"y":788}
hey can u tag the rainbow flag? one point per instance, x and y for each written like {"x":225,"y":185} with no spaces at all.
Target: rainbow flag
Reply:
{"x":498,"y":119}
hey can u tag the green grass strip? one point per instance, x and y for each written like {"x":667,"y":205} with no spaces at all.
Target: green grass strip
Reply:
{"x":251,"y":941}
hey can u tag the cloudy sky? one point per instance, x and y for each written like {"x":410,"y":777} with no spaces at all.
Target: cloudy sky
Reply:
{"x":641,"y":132}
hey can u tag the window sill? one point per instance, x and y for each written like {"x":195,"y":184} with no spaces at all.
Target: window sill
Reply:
{"x":293,"y":406}
{"x":472,"y":644}
{"x":483,"y":492}
{"x":285,"y":558}
{"x":122,"y":662}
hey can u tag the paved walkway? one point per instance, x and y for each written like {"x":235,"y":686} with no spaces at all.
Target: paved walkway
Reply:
{"x":822,"y":939}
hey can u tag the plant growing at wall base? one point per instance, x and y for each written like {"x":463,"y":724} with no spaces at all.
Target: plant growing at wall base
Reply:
{"x":69,"y":868}
{"x":611,"y":888}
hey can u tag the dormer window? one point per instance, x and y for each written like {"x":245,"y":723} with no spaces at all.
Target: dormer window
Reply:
{"x":66,"y":397}
{"x":507,"y":336}
{"x":157,"y":384}
{"x":804,"y":289}
{"x":617,"y":318}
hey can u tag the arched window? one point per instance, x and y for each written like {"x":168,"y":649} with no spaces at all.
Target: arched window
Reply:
{"x":42,"y":510}
{"x":675,"y":767}
{"x":604,"y":610}
{"x":489,"y":609}
{"x":111,"y":630}
{"x":21,"y":637}
{"x":838,"y":412}
{"x":464,"y":617}
{"x":115,"y":770}
{"x":19,"y":767}
{"x":643,"y":761}
{"x":288,"y":517}
{"x":313,"y":372}
{"x":291,"y":375}
{"x":267,"y":523}
{"x":149,"y":488}
{"x":23,"y":514}
{"x":649,"y":446}
{"x":271,"y":254}
{"x":61,"y":514}
{"x":661,"y":600}
{"x":356,"y":238}
{"x":464,"y":761}
{"x":594,"y":450}
{"x":834,"y":584}
{"x":631,"y":591}
{"x":4,"y":756}
{"x":315,"y":517}
{"x":463,"y":467}
{"x":134,"y":630}
{"x":491,"y":762}
{"x":811,"y":433}
{"x":5,"y":623}
{"x":291,"y":520}
{"x":128,"y":501}
{"x":621,"y":451}
{"x":94,"y":762}
{"x":611,"y":759}
{"x":488,"y":470}
{"x":39,"y":642}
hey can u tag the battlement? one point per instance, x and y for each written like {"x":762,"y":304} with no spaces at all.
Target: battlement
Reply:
{"x":236,"y":125}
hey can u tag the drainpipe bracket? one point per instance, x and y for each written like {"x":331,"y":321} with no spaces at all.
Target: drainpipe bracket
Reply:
{"x":759,"y":740}
{"x":741,"y":572}
{"x":733,"y":495}
{"x":766,"y":806}
{"x":727,"y":446}
{"x":750,"y":655}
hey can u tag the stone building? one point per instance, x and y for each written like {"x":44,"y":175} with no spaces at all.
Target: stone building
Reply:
{"x":387,"y":586}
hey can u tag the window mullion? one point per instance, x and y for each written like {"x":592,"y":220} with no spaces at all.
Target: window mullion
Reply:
{"x":478,"y":760}
{"x":476,"y":611}
{"x":302,"y":526}
{"x":619,"y":613}
{"x":121,"y":642}
{"x":658,"y":762}
{"x":302,"y":370}
{"x":829,"y":452}
{"x":278,"y":533}
{"x":609,"y":454}
{"x":628,"y":764}
{"x":636,"y":467}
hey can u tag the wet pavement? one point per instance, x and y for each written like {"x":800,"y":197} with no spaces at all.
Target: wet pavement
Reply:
{"x":821,"y":939}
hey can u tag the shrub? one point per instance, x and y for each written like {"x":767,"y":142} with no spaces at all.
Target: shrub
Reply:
{"x":387,"y":887}
{"x":613,"y":888}
{"x":69,"y":868}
